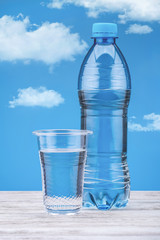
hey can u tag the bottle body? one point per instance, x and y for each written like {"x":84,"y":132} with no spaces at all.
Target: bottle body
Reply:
{"x":104,"y":94}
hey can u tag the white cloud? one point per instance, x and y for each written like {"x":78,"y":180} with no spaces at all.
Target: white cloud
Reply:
{"x":153,"y":124}
{"x":127,"y":10}
{"x":139,"y":29}
{"x":49,"y":43}
{"x":32,"y":97}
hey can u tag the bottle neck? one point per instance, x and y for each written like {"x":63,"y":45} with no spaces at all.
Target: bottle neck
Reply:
{"x":104,"y":41}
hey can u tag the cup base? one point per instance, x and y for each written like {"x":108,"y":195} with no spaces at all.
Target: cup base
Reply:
{"x":62,"y":212}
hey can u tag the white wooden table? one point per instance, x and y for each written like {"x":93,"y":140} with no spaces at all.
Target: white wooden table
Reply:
{"x":22,"y":217}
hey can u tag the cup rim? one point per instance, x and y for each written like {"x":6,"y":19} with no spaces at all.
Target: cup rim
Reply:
{"x":54,"y":132}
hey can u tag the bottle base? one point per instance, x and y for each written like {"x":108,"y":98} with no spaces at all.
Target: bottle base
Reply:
{"x":105,"y":202}
{"x":105,"y":207}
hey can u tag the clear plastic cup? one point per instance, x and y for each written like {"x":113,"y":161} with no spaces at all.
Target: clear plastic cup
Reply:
{"x":62,"y":156}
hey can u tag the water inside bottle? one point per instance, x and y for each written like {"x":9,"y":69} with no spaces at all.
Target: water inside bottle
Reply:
{"x":106,"y":182}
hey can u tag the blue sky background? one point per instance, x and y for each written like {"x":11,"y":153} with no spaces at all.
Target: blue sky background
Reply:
{"x":21,"y":67}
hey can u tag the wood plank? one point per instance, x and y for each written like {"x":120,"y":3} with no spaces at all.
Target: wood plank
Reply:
{"x":22,"y":217}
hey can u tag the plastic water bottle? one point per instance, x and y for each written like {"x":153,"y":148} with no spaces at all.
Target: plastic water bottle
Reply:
{"x":104,"y":93}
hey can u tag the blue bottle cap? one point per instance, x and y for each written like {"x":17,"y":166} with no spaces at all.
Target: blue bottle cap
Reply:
{"x":104,"y":30}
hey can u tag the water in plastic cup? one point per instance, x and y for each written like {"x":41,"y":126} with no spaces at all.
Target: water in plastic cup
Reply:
{"x":62,"y":156}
